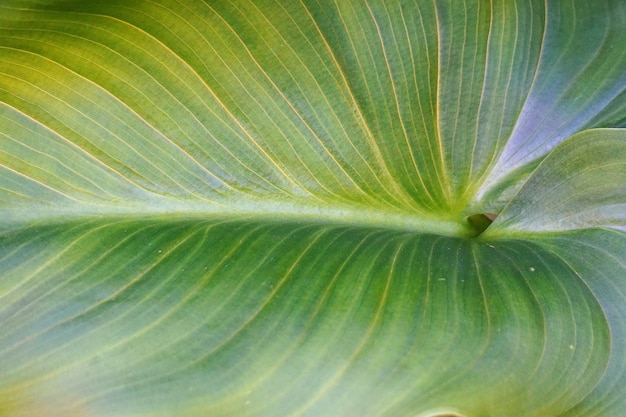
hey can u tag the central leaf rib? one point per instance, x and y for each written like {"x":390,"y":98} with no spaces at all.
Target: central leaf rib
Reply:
{"x":267,"y":210}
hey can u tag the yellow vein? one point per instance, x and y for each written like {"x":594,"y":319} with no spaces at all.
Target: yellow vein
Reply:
{"x":120,"y":343}
{"x":175,"y":99}
{"x":418,"y":344}
{"x":32,"y":276}
{"x":256,"y":146}
{"x":41,"y":184}
{"x":343,"y":89}
{"x":92,"y":308}
{"x":358,"y":59}
{"x":498,"y":146}
{"x":153,"y":326}
{"x":50,"y":174}
{"x":416,"y":85}
{"x":303,"y":331}
{"x":346,"y":135}
{"x":183,"y":81}
{"x":98,"y":124}
{"x":66,"y":280}
{"x":485,"y":181}
{"x":396,"y":192}
{"x":294,"y":111}
{"x":374,"y":322}
{"x":369,"y":55}
{"x":484,"y":83}
{"x":455,"y":143}
{"x":269,"y":117}
{"x":481,"y":286}
{"x":249,"y":320}
{"x":564,"y":290}
{"x":74,"y":145}
{"x":317,"y":85}
{"x":397,"y":103}
{"x":440,"y":68}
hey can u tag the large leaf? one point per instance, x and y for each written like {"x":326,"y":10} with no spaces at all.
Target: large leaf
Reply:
{"x":274,"y":208}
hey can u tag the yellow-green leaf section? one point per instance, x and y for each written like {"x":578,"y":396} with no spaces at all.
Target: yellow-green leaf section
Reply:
{"x":261,"y":208}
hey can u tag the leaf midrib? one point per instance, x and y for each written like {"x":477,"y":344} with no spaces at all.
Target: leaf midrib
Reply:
{"x":261,"y":210}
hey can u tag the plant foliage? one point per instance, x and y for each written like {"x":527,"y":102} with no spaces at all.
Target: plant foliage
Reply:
{"x":276,"y":208}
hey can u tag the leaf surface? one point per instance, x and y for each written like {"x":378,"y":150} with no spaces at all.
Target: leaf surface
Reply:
{"x":261,"y":208}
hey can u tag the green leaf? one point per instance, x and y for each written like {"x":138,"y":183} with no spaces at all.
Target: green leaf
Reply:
{"x":264,"y":208}
{"x":580,"y":185}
